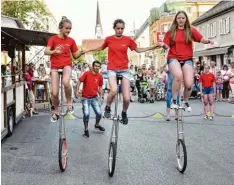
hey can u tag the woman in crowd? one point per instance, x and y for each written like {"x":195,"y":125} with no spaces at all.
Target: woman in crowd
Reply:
{"x":231,"y":81}
{"x":225,"y":91}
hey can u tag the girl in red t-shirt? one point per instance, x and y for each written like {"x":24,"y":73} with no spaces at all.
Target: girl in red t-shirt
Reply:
{"x":118,"y":45}
{"x":60,"y":47}
{"x":179,"y":40}
{"x":207,"y":87}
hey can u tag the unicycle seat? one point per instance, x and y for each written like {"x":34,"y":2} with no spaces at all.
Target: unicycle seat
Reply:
{"x":119,"y":77}
{"x":60,"y":71}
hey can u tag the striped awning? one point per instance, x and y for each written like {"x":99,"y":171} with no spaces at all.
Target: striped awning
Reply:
{"x":213,"y":51}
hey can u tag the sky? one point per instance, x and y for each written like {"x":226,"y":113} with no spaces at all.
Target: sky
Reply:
{"x":82,"y":13}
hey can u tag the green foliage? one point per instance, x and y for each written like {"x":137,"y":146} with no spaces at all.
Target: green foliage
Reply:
{"x":154,"y":15}
{"x":100,"y":55}
{"x":26,"y":11}
{"x":80,"y":59}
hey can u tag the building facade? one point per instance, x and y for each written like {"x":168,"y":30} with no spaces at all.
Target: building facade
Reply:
{"x":217,"y":25}
{"x":161,"y":18}
{"x":141,"y":37}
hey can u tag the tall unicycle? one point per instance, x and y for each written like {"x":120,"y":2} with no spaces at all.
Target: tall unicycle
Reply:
{"x":114,"y":135}
{"x":181,"y":152}
{"x":63,"y":151}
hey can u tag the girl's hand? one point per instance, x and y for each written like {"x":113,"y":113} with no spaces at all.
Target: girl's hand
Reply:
{"x":160,"y":44}
{"x":202,"y":94}
{"x":58,"y":49}
{"x":211,"y":42}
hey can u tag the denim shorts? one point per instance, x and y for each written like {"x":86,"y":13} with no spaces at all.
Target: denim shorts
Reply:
{"x":208,"y":90}
{"x":219,"y":87}
{"x":124,"y":73}
{"x":94,"y":102}
{"x":189,"y":62}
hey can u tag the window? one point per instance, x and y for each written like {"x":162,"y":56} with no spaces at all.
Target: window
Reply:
{"x":208,"y":31}
{"x":204,"y":31}
{"x":220,"y":27}
{"x":165,"y":27}
{"x":227,"y":25}
{"x":189,"y":10}
{"x":212,"y":32}
{"x":224,"y":26}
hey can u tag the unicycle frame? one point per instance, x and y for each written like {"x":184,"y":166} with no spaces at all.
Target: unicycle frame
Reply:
{"x":181,"y":139}
{"x":114,"y":133}
{"x":62,"y":128}
{"x":180,"y":125}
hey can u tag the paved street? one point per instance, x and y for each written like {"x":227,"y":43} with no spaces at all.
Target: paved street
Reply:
{"x":146,"y":151}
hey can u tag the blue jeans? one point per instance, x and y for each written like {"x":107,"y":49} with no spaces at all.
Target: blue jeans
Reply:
{"x":169,"y":91}
{"x":86,"y":102}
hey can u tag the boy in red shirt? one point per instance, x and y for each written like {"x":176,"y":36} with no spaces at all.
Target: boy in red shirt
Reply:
{"x":61,"y":48}
{"x":92,"y":84}
{"x":207,"y":85}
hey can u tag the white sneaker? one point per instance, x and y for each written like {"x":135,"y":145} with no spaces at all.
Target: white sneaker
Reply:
{"x":189,"y":109}
{"x":174,"y":106}
{"x":211,"y":118}
{"x":206,"y":117}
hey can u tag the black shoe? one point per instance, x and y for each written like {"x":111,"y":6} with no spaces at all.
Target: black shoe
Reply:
{"x":100,"y":128}
{"x":124,"y":118}
{"x":86,"y":133}
{"x":35,"y":112}
{"x":107,"y":113}
{"x":54,"y":117}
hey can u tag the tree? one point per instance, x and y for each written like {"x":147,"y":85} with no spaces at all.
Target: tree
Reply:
{"x":31,"y":13}
{"x":81,"y":59}
{"x":100,"y":55}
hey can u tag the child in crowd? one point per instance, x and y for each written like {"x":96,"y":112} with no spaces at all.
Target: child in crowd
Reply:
{"x":219,"y":86}
{"x":152,"y":82}
{"x":207,"y":85}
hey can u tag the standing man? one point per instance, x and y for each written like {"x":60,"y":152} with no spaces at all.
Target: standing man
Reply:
{"x":92,"y":85}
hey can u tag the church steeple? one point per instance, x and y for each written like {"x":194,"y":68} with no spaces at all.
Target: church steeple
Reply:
{"x":98,"y":28}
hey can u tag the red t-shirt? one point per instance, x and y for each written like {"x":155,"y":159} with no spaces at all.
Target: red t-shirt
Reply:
{"x":117,"y":51}
{"x":207,"y":80}
{"x":29,"y":80}
{"x":91,"y":82}
{"x":62,"y":59}
{"x":181,"y":50}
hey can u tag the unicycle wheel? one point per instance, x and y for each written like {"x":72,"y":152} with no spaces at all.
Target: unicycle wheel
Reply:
{"x":62,"y":154}
{"x":112,"y":159}
{"x":181,"y":155}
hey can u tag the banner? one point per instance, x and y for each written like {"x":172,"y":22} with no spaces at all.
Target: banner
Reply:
{"x":160,"y":36}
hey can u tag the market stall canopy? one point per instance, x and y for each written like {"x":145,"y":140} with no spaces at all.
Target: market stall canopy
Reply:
{"x":26,"y":37}
{"x":13,"y":29}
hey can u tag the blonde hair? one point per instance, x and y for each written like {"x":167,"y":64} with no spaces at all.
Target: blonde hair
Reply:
{"x":63,"y":21}
{"x":187,"y":29}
